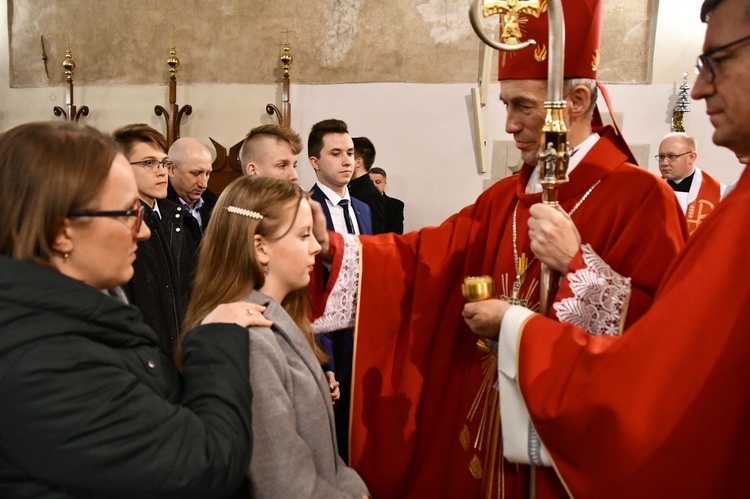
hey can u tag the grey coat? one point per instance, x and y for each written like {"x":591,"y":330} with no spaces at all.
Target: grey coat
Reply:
{"x":294,"y":447}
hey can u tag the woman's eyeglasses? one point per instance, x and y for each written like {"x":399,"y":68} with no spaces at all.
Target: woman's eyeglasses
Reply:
{"x":134,"y":212}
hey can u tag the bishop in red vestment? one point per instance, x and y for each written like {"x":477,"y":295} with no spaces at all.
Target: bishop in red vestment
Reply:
{"x":424,"y":410}
{"x":424,"y":419}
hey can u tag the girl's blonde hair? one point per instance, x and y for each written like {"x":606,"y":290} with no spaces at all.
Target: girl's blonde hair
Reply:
{"x":228,"y":268}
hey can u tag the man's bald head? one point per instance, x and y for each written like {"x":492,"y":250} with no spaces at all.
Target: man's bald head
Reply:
{"x":192,"y":168}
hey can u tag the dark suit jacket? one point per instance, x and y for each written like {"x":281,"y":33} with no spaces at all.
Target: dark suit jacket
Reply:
{"x":394,"y":214}
{"x":361,"y":210}
{"x":191,"y":223}
{"x":364,"y":190}
{"x":160,"y":284}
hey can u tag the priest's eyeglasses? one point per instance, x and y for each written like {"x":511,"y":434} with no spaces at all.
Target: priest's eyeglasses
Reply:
{"x":705,"y":64}
{"x":151,"y":165}
{"x":670,"y":157}
{"x":134,"y":212}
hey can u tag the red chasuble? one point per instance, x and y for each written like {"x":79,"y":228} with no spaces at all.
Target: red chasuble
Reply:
{"x":425,"y":419}
{"x":705,"y":202}
{"x":662,"y":411}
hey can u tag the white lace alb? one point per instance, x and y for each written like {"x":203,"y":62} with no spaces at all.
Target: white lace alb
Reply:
{"x":341,"y":305}
{"x":600,"y":297}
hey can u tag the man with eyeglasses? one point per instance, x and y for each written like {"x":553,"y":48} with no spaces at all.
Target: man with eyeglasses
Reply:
{"x":162,"y":271}
{"x":661,"y":411}
{"x":697,"y":192}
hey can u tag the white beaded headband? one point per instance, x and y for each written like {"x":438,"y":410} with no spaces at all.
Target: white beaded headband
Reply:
{"x":244,"y":212}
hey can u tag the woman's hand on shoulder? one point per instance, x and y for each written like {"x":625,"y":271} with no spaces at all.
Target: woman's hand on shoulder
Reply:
{"x":240,"y":312}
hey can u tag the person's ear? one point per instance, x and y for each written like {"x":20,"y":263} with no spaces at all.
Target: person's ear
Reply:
{"x":261,"y":253}
{"x":579,"y":101}
{"x":63,"y":242}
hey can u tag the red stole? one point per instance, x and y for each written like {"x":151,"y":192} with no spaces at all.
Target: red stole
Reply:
{"x":705,"y":202}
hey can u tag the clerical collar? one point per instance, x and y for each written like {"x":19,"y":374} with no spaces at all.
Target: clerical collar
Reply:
{"x":682,"y":185}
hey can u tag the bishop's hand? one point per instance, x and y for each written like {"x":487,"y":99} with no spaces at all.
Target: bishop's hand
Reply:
{"x":484,"y":317}
{"x":554,"y":237}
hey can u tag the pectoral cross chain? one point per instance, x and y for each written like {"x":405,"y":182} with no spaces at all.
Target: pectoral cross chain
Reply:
{"x":522,"y":264}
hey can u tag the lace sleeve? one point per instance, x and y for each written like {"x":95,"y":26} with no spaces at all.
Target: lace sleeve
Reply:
{"x":341,"y":305}
{"x":599,"y":296}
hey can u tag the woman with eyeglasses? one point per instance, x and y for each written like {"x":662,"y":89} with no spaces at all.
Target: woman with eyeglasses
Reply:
{"x":91,"y":407}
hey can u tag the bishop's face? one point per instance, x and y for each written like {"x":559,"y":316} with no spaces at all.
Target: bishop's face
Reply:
{"x":524,"y":103}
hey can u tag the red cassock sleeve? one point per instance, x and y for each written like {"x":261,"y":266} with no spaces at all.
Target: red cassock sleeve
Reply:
{"x":661,"y":411}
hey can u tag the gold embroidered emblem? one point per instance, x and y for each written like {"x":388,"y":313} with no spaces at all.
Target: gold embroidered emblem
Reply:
{"x":705,"y":207}
{"x":540,"y":53}
{"x":465,"y":438}
{"x":595,"y":61}
{"x":513,"y":18}
{"x":475,"y":467}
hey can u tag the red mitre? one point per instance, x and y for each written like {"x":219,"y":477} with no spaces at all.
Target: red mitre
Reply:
{"x":528,"y":21}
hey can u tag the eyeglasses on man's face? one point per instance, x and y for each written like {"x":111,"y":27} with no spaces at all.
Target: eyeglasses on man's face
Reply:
{"x":152,"y":165}
{"x":670,"y":157}
{"x":705,"y":65}
{"x":134,"y":212}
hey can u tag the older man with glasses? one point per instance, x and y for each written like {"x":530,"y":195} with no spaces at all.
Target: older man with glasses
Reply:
{"x":697,"y":192}
{"x":163,"y":269}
